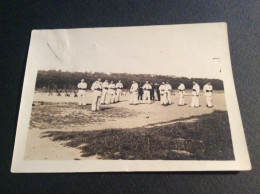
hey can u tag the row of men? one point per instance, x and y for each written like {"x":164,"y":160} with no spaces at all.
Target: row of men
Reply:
{"x":154,"y":91}
{"x":165,"y":92}
{"x":105,"y":93}
{"x":148,"y":92}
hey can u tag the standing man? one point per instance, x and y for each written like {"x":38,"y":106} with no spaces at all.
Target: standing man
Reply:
{"x":82,"y":86}
{"x":140,"y":93}
{"x":181,"y":88}
{"x":119,"y":87}
{"x":97,"y":91}
{"x":147,"y":88}
{"x":162,"y":90}
{"x":152,"y":92}
{"x":208,"y":89}
{"x":112,"y":92}
{"x":104,"y":92}
{"x":168,"y":88}
{"x":133,"y":93}
{"x":195,"y":95}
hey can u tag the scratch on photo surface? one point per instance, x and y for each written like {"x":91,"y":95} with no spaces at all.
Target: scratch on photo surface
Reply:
{"x":52,"y":51}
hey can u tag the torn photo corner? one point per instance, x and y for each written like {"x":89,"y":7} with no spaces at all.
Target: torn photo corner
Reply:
{"x":146,"y":98}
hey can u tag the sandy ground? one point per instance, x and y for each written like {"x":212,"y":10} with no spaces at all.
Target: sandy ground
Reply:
{"x":147,"y":114}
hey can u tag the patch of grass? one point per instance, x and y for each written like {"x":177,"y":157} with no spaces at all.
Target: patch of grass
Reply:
{"x":67,"y":115}
{"x":208,"y":138}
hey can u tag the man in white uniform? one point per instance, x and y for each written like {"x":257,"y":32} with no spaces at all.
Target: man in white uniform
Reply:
{"x":119,"y":87}
{"x":133,"y":93}
{"x":208,"y":89}
{"x":181,"y":89}
{"x":82,"y":86}
{"x":195,"y":95}
{"x":97,"y":91}
{"x":162,"y":90}
{"x":112,"y":92}
{"x":147,"y":89}
{"x":168,"y":88}
{"x":104,"y":97}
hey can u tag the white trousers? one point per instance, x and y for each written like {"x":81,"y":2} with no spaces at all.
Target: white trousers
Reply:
{"x":118,"y":94}
{"x":96,"y":100}
{"x":181,"y":98}
{"x":104,"y":96}
{"x":163,"y":98}
{"x":133,"y":97}
{"x":194,"y":100}
{"x":111,"y":96}
{"x":146,"y":96}
{"x":169,"y":97}
{"x":209,"y":99}
{"x":82,"y":97}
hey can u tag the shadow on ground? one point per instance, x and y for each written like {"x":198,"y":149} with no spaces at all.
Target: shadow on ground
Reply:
{"x":68,"y":115}
{"x":207,"y":138}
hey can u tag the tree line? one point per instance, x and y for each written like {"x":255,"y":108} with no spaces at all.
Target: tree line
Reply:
{"x":69,"y":80}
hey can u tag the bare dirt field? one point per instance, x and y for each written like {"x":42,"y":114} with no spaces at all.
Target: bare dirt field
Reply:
{"x":62,"y":130}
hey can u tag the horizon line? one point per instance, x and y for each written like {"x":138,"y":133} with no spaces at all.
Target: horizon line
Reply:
{"x":91,"y":72}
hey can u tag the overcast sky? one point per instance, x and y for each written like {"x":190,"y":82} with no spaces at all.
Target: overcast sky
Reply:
{"x":180,"y":50}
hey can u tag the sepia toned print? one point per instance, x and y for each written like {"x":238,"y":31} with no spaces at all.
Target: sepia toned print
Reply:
{"x":152,"y":98}
{"x":121,"y":126}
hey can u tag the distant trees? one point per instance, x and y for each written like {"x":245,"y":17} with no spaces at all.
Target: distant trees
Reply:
{"x":69,"y":80}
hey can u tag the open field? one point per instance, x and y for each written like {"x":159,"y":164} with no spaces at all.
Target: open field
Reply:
{"x":60,"y":130}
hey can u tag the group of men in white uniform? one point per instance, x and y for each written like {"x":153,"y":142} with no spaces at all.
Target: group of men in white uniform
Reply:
{"x":166,"y":93}
{"x":207,"y":89}
{"x":106,"y":93}
{"x":111,"y":92}
{"x":103,"y":93}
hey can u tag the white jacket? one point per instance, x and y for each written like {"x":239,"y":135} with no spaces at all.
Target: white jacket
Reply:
{"x":181,"y":87}
{"x":119,"y":86}
{"x":105,"y":85}
{"x":96,"y":86}
{"x":147,"y":87}
{"x":82,"y":85}
{"x":162,"y":89}
{"x":134,"y":87}
{"x":208,"y":89}
{"x":196,"y":89}
{"x":168,"y":87}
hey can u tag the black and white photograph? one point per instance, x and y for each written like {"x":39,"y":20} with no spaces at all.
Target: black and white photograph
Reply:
{"x":143,"y":98}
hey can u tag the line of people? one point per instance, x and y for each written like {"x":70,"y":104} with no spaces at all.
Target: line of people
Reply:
{"x":107,"y":93}
{"x":164,"y":93}
{"x":103,"y":93}
{"x":148,"y":92}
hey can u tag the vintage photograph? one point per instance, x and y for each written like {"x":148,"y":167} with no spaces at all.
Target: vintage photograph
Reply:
{"x":151,"y":93}
{"x":127,"y":116}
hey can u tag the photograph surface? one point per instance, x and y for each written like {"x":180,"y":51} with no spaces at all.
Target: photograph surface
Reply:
{"x":132,"y":97}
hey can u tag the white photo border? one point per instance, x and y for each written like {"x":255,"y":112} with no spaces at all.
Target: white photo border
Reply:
{"x":241,"y":162}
